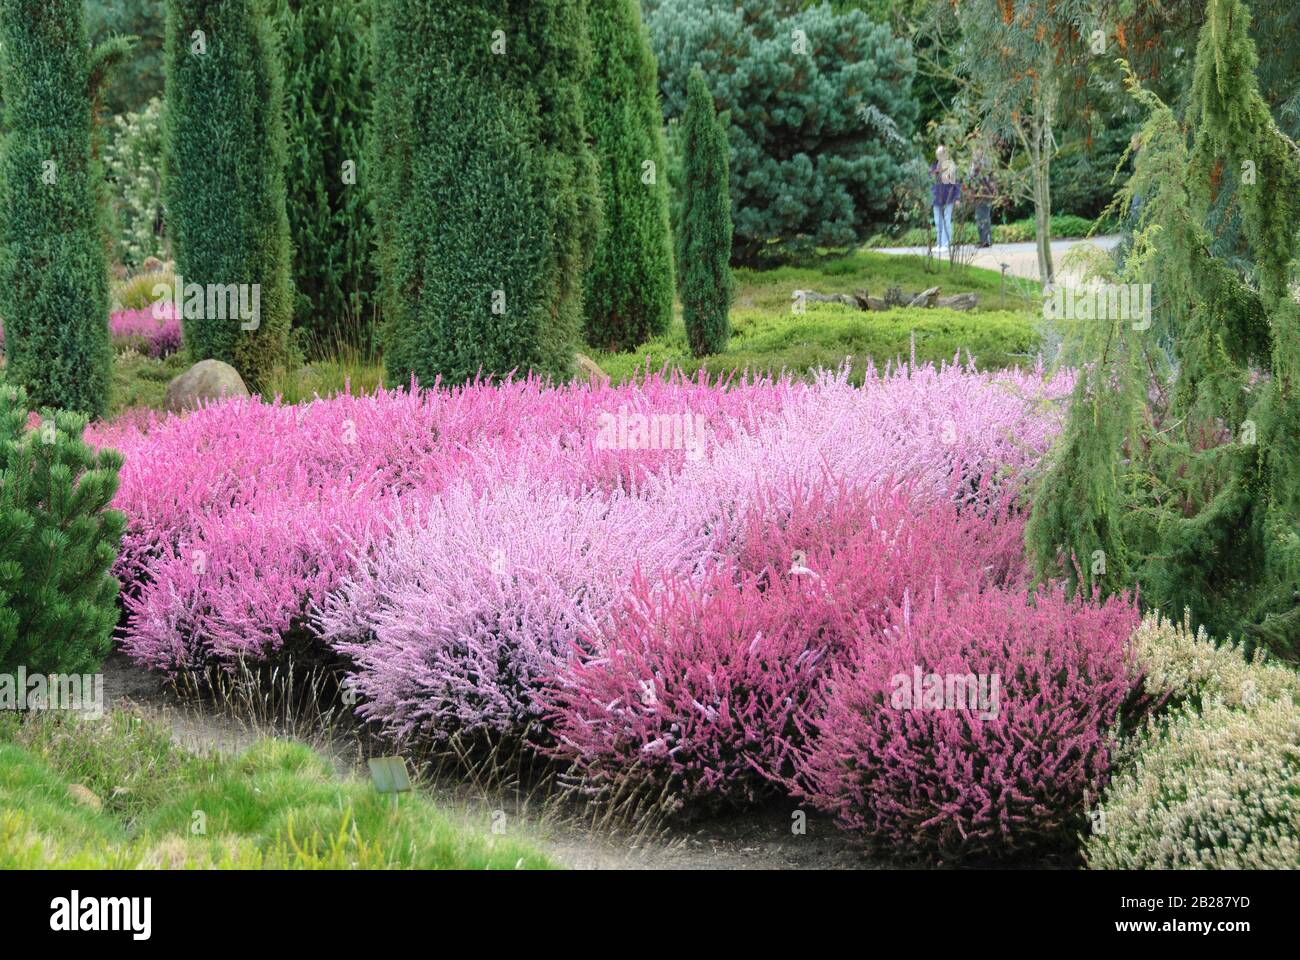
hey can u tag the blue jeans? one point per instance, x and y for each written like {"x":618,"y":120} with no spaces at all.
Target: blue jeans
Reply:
{"x":943,"y":225}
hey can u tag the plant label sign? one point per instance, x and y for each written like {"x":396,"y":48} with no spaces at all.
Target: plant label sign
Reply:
{"x":389,"y":775}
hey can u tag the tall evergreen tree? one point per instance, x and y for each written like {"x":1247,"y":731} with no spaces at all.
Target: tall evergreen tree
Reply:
{"x":704,"y":238}
{"x":1181,"y":460}
{"x":224,"y":159}
{"x":485,"y":188}
{"x":629,"y":287}
{"x":328,"y":89}
{"x":53,"y":270}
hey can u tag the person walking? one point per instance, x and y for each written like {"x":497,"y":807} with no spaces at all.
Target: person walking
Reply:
{"x":984,"y":191}
{"x":945,"y":193}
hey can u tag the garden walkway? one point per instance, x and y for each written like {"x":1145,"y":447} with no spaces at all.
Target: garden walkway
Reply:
{"x":1021,"y":258}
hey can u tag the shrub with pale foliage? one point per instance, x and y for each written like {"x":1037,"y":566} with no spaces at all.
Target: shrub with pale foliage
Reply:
{"x":1216,"y":790}
{"x":1189,"y":667}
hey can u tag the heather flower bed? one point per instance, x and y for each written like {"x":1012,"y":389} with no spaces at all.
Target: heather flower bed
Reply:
{"x":154,"y":331}
{"x":665,"y":587}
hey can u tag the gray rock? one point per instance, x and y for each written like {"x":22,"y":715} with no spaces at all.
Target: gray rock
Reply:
{"x":202,"y":383}
{"x":589,"y":369}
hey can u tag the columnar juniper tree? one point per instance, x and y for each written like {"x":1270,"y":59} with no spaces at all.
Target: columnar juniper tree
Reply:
{"x":224,"y":156}
{"x":629,"y":287}
{"x":1180,"y":464}
{"x":704,"y":234}
{"x":54,"y":275}
{"x":485,"y":190}
{"x":58,"y":541}
{"x":327,"y":63}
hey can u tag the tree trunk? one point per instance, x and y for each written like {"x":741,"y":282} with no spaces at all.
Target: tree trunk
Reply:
{"x":1041,"y":159}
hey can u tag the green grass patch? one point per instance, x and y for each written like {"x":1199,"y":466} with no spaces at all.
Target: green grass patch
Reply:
{"x":772,"y":290}
{"x":769,"y":337}
{"x":277,"y":805}
{"x":828,"y":335}
{"x":141,"y":381}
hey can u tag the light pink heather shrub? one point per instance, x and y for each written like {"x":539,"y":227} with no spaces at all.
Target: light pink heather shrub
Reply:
{"x":922,"y":425}
{"x":463,"y":612}
{"x":154,"y":330}
{"x":216,"y":459}
{"x":695,"y":689}
{"x":943,"y":778}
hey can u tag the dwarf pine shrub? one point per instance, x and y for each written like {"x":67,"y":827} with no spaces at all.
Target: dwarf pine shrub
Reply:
{"x":58,"y":542}
{"x":629,"y":287}
{"x":821,"y":107}
{"x":224,"y":156}
{"x":704,"y":238}
{"x":53,"y":272}
{"x":485,"y":189}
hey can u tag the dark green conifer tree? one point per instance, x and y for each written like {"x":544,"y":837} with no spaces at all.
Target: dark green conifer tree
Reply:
{"x":704,"y":238}
{"x":1181,"y":457}
{"x":53,"y":269}
{"x":629,"y":287}
{"x":485,"y":188}
{"x":224,"y":160}
{"x":328,"y":92}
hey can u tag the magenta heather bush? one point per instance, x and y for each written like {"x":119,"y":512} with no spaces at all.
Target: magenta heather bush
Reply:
{"x":697,"y":686}
{"x":154,"y":330}
{"x":465,"y":610}
{"x":239,"y":584}
{"x":936,"y":776}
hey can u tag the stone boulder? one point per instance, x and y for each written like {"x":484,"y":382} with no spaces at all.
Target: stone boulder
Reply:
{"x":588,"y":368}
{"x":206,"y":381}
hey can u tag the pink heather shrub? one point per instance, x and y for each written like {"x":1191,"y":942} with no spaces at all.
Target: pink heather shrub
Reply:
{"x":696,"y":688}
{"x":155,"y":334}
{"x":693,"y":693}
{"x":466,"y":609}
{"x":240,"y":583}
{"x":949,"y":775}
{"x":216,"y":459}
{"x":314,"y":481}
{"x":253,"y":523}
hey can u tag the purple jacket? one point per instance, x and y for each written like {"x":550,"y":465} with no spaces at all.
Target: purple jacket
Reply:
{"x":943,"y":193}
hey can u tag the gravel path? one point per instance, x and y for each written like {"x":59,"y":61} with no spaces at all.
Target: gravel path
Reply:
{"x":1021,"y":258}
